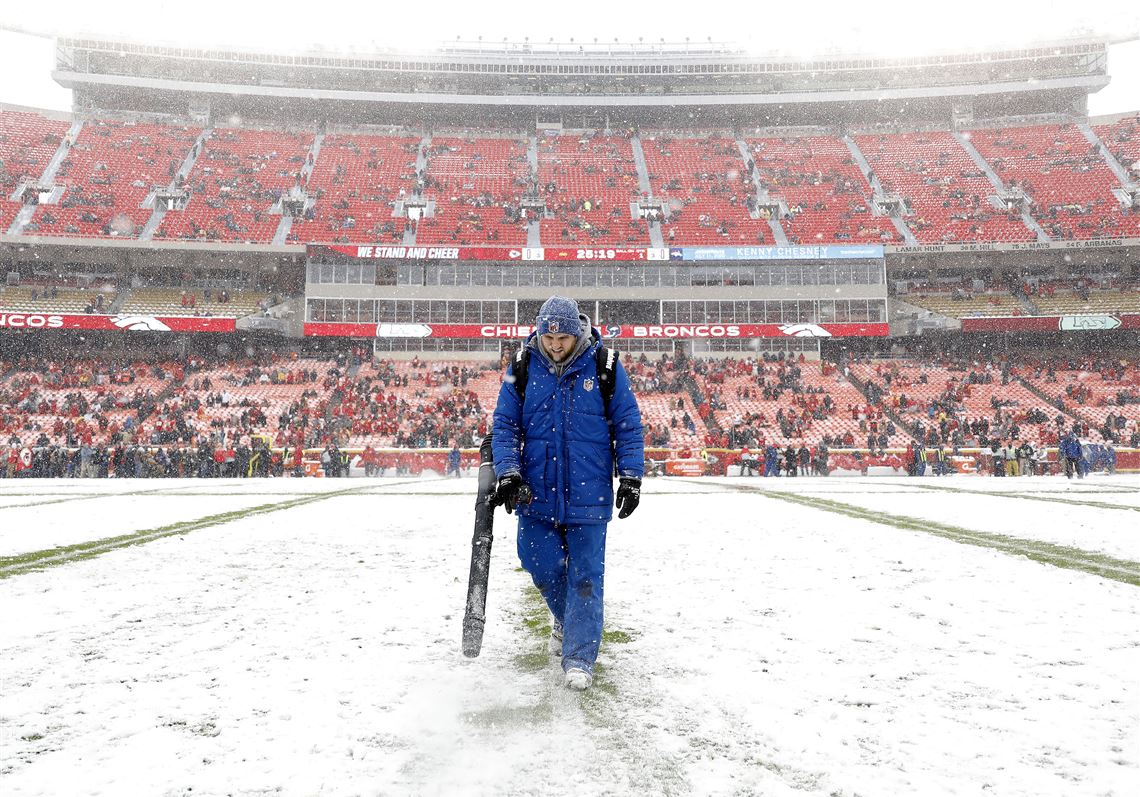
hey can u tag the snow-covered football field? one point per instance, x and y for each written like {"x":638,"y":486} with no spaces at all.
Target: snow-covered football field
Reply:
{"x":843,"y":636}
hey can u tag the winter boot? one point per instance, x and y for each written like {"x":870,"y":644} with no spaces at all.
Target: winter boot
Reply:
{"x":578,"y":679}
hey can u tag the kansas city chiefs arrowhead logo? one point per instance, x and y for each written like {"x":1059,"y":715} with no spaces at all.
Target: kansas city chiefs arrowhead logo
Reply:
{"x":139,"y":323}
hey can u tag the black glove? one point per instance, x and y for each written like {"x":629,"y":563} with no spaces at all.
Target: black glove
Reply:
{"x":512,"y":491}
{"x":628,"y":495}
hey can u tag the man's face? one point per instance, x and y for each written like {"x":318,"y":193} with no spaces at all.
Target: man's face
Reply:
{"x":558,"y":346}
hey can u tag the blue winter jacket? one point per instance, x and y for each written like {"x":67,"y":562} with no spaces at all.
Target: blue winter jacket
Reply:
{"x":1071,"y":448}
{"x":560,"y":441}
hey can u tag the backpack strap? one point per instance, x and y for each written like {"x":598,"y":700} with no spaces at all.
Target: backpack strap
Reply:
{"x":607,"y":374}
{"x":606,"y":360}
{"x":522,"y":363}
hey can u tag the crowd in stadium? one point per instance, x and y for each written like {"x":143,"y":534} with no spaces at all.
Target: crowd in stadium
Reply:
{"x":266,"y":414}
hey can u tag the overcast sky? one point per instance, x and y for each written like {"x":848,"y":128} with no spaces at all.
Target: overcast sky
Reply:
{"x":825,"y":27}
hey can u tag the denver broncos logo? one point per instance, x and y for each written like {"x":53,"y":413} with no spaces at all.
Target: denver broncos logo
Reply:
{"x":804,"y":331}
{"x":139,"y":323}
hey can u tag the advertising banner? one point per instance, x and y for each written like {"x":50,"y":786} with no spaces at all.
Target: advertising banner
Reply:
{"x":596,"y":254}
{"x":1089,"y":322}
{"x":610,"y":331}
{"x":131,"y":322}
{"x":459,"y":253}
{"x":1023,"y":246}
{"x":828,"y":252}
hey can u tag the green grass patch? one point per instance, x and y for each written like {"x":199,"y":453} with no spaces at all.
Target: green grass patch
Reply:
{"x":511,"y":717}
{"x":40,"y":560}
{"x":535,"y":661}
{"x":1027,"y":497}
{"x":1101,"y":565}
{"x":71,"y":497}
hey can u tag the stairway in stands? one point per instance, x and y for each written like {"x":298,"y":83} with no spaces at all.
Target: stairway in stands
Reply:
{"x":898,"y":420}
{"x":999,"y":186}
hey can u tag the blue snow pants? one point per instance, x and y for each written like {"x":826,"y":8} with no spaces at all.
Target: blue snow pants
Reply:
{"x":567,"y":564}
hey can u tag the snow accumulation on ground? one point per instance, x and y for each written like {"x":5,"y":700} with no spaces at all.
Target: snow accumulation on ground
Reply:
{"x":843,"y":636}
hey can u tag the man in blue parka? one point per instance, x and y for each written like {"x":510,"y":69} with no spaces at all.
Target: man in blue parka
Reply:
{"x":555,"y":457}
{"x":454,"y":457}
{"x":1071,"y":454}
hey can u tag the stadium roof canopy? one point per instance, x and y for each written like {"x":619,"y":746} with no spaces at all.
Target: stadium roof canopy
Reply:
{"x":614,"y":77}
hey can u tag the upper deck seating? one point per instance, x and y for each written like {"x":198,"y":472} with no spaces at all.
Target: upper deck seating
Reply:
{"x":236,"y":180}
{"x":108,"y":173}
{"x":27,"y":143}
{"x":356,"y":182}
{"x":588,"y":182}
{"x":706,"y":191}
{"x":477,"y":185}
{"x":1122,"y":139}
{"x":1067,"y":178}
{"x":828,"y":197}
{"x":948,"y":194}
